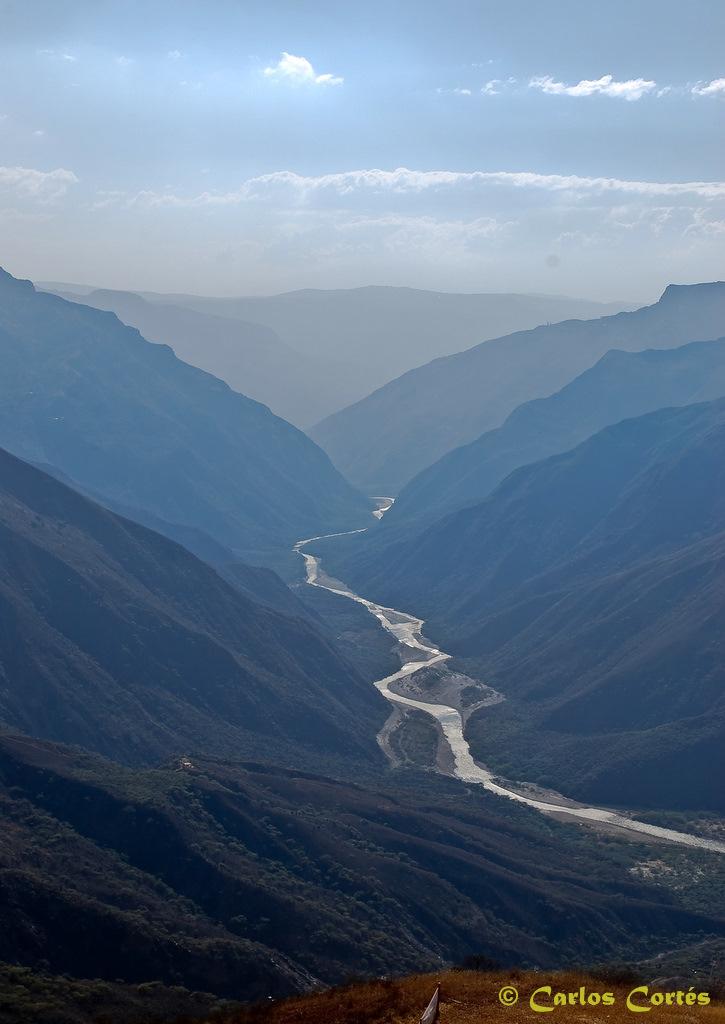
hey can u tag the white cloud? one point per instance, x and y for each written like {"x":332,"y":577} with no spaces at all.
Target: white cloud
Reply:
{"x":43,"y":186}
{"x":288,"y":186}
{"x":124,"y":62}
{"x":299,"y":70}
{"x":174,"y":55}
{"x":632,"y":89}
{"x":714,"y":88}
{"x":68,"y":57}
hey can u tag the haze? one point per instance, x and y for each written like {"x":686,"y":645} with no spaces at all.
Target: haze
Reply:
{"x":241,"y":149}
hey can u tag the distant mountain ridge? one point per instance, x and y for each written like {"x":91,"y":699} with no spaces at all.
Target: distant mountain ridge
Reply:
{"x":383,"y":441}
{"x":128,"y":421}
{"x":404,"y":326}
{"x":342,"y":343}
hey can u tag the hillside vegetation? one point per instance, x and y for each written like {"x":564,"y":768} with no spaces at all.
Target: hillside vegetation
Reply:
{"x":470,"y":997}
{"x":249,"y":881}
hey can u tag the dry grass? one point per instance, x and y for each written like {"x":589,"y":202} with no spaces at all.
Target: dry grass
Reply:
{"x":468,"y":997}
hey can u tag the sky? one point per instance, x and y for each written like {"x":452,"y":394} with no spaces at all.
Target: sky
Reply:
{"x":241,"y":147}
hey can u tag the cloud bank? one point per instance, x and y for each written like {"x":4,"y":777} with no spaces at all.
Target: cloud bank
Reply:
{"x":289,"y":186}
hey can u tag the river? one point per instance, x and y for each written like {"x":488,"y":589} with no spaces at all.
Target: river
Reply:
{"x":408,"y":630}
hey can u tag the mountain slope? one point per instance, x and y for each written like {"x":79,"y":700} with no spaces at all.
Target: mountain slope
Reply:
{"x":386,"y":439}
{"x":616,"y":688}
{"x":259,"y":584}
{"x":590,"y":589}
{"x":119,"y":640}
{"x":249,"y":881}
{"x":129,"y":422}
{"x":620,"y":386}
{"x":644,"y":486}
{"x":250,"y":357}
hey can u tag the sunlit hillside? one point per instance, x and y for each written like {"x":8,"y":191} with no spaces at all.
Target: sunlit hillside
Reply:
{"x":472,"y":997}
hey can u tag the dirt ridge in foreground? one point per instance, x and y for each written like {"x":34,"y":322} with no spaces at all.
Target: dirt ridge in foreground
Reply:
{"x":472,"y":997}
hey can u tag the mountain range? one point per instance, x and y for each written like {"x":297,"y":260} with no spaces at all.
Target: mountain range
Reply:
{"x":211,"y":852}
{"x":620,"y":386}
{"x":383,"y":441}
{"x":310,"y":353}
{"x":588,"y":589}
{"x":131,"y":424}
{"x":193,"y":780}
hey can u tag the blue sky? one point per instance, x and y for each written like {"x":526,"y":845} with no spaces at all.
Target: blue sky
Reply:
{"x":245,"y":147}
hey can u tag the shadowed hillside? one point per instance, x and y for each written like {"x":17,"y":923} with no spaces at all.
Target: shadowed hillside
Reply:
{"x":120,"y":640}
{"x":589,"y":589}
{"x":246,"y":881}
{"x":383,"y":441}
{"x":129,"y":422}
{"x":621,"y":385}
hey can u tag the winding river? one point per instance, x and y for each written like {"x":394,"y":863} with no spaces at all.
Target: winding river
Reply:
{"x":408,"y":631}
